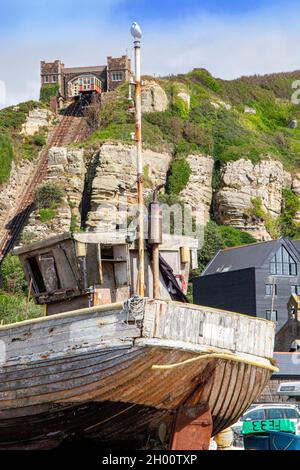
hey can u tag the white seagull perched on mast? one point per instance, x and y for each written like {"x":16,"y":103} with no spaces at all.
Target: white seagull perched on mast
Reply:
{"x":136,"y":30}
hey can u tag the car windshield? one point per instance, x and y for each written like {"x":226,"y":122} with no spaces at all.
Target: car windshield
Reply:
{"x":282,"y":413}
{"x":291,"y":414}
{"x":254,"y":415}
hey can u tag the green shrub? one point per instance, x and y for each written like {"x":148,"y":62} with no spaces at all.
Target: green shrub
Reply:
{"x":46,"y":215}
{"x":146,"y":178}
{"x":48,"y":196}
{"x":271,"y":223}
{"x":288,"y":226}
{"x":47,"y":91}
{"x":180,"y":108}
{"x":118,"y":132}
{"x":12,"y":275}
{"x":39,"y":139}
{"x":218,"y":237}
{"x":15,"y":308}
{"x":6,"y":158}
{"x":205,"y":78}
{"x":180,"y":172}
{"x":234,"y":237}
{"x":257,"y":208}
{"x":13,"y":117}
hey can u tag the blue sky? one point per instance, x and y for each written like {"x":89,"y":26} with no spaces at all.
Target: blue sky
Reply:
{"x":229,"y":37}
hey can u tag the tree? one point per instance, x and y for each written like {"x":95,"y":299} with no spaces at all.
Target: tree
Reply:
{"x":218,"y":237}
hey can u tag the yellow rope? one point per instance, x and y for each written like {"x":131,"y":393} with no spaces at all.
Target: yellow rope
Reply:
{"x":226,"y":357}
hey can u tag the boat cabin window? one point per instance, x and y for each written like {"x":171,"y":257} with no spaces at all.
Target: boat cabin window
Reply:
{"x":44,"y":274}
{"x":107,"y":253}
{"x":49,"y":272}
{"x":38,"y":281}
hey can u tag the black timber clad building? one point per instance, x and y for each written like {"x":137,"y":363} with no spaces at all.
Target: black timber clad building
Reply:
{"x":242,"y":279}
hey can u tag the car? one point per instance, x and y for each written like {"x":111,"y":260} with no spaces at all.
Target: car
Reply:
{"x":266,"y":411}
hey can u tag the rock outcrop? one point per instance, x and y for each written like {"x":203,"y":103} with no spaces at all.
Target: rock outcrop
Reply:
{"x":37,"y":119}
{"x":115,"y":182}
{"x":242,"y":181}
{"x":198,"y":192}
{"x":11,"y":192}
{"x":66,"y":168}
{"x":154,"y":97}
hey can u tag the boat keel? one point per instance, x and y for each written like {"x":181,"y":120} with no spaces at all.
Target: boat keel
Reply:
{"x":192,"y":428}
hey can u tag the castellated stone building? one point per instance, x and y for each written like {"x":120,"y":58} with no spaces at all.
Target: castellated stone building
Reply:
{"x":75,"y":80}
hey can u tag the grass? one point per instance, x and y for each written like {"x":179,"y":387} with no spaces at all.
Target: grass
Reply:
{"x":14,"y":146}
{"x":15,"y":308}
{"x":46,"y":215}
{"x":6,"y":158}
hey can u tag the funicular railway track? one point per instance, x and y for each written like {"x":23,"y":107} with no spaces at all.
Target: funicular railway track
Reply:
{"x":72,"y":128}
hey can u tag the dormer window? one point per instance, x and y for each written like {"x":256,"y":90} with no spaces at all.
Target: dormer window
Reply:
{"x":283,"y":264}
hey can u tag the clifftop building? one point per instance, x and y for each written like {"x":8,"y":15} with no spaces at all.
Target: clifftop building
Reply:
{"x":74,"y":80}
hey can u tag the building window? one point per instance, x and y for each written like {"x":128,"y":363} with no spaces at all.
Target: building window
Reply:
{"x":54,"y":78}
{"x":269,"y":289}
{"x":283,"y":264}
{"x":295,"y":290}
{"x":273,"y":317}
{"x":46,"y":79}
{"x":117,"y":76}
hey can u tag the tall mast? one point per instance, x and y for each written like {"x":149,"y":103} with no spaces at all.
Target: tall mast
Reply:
{"x":137,"y":34}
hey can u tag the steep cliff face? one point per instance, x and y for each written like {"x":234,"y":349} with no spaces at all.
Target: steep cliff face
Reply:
{"x":66,"y":168}
{"x":241,"y":183}
{"x":114,"y":181}
{"x":100,"y":182}
{"x":198,"y":191}
{"x":12,"y":191}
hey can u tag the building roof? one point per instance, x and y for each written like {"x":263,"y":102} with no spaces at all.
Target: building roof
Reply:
{"x":288,"y":363}
{"x":92,"y":69}
{"x":296,"y":244}
{"x":249,"y":256}
{"x":234,"y":259}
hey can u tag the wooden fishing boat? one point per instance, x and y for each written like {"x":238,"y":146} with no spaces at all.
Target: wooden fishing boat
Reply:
{"x":121,"y":371}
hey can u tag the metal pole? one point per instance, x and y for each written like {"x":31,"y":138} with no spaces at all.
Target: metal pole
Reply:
{"x":155,"y":268}
{"x":273,"y":298}
{"x":138,"y":135}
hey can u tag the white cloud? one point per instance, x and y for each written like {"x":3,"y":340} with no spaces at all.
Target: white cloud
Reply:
{"x":263,"y":42}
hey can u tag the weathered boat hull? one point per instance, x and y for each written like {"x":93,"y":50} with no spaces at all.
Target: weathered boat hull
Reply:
{"x":112,"y":376}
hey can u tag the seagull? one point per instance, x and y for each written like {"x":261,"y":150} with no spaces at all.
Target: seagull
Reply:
{"x":136,"y":30}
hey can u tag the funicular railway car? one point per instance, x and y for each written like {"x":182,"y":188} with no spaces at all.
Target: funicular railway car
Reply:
{"x":84,"y":84}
